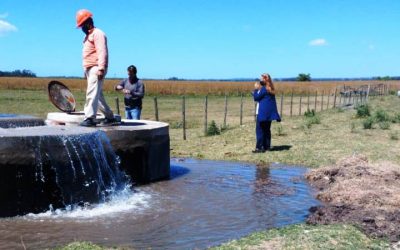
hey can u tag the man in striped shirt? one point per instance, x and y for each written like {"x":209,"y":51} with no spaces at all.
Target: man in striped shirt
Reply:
{"x":95,"y":64}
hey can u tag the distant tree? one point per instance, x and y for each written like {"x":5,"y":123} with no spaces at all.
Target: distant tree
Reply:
{"x":303,"y":77}
{"x":18,"y":73}
{"x":383,"y":78}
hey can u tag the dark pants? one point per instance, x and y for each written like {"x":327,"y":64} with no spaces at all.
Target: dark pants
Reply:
{"x":263,"y":135}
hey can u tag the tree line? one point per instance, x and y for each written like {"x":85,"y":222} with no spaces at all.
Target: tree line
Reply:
{"x":18,"y":73}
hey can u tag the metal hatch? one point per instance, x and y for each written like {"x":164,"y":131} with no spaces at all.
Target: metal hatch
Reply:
{"x":61,"y":97}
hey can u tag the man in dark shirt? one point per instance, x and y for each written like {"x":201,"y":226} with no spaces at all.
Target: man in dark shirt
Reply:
{"x":133,"y":89}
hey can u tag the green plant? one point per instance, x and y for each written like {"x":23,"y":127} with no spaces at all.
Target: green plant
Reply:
{"x":396,"y":118}
{"x":384,"y":125}
{"x":213,"y":129}
{"x":353,"y":127}
{"x":309,"y":113}
{"x":368,"y":123}
{"x":280,"y":131}
{"x":394,"y":136}
{"x":303,"y":77}
{"x":363,"y":110}
{"x":381,"y":116}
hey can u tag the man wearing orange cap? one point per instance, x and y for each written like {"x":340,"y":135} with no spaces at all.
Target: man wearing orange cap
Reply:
{"x":95,"y":64}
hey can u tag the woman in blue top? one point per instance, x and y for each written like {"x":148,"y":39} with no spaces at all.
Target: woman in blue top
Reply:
{"x":264,"y":95}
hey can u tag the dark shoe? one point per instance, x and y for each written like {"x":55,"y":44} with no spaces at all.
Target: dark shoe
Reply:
{"x":89,"y":122}
{"x":108,"y":121}
{"x":258,"y":150}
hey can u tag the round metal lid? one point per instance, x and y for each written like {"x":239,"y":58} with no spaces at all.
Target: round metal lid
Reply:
{"x":61,"y":96}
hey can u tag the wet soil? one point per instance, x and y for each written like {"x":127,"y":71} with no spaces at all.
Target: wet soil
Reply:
{"x":354,"y":191}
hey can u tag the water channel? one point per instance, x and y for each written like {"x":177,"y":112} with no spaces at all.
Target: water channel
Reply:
{"x":205,"y":203}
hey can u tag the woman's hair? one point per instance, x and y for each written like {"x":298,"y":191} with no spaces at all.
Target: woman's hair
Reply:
{"x":271,"y":84}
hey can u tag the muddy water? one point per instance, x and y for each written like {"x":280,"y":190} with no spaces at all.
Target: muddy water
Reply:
{"x":204,"y":204}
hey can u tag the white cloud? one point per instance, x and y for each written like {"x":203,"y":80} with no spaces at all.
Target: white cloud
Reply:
{"x":318,"y":42}
{"x":6,"y":27}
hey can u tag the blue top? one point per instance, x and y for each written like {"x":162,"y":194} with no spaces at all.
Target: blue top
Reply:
{"x":267,"y":110}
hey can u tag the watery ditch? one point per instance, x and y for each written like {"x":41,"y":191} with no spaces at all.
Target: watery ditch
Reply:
{"x":205,"y":203}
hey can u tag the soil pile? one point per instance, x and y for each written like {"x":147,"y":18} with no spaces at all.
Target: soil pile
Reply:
{"x":357,"y":192}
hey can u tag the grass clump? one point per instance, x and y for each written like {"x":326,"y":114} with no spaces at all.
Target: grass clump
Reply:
{"x":303,"y":236}
{"x":381,"y":116}
{"x":213,"y":129}
{"x":384,"y":125}
{"x":81,"y":246}
{"x":368,"y":123}
{"x":363,"y":110}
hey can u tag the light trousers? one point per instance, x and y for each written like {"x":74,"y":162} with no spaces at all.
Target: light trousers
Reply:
{"x":94,"y":95}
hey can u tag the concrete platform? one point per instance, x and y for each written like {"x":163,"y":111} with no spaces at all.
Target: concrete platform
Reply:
{"x":143,"y":146}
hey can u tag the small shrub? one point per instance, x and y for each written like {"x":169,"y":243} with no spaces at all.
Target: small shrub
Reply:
{"x":368,"y":123}
{"x":213,"y":129}
{"x":381,"y":116}
{"x":384,"y":125}
{"x":396,"y":118}
{"x":340,"y":110}
{"x":353,"y":127}
{"x":394,"y":136}
{"x":363,"y":110}
{"x":279,"y":130}
{"x":309,"y":113}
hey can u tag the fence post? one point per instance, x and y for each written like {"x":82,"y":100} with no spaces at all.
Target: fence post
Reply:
{"x":117,"y":105}
{"x":367,"y":96}
{"x":300,"y":105}
{"x":156,"y":108}
{"x":327,"y":105}
{"x":322,"y":100}
{"x":205,"y":115}
{"x":291,"y":103}
{"x":315,"y":102}
{"x":226,"y":110}
{"x":308,"y":100}
{"x":334,"y":100}
{"x":281,"y":104}
{"x":184,"y":117}
{"x":241,"y":109}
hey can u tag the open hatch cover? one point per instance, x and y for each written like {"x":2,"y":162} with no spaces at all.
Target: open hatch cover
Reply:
{"x":61,"y":97}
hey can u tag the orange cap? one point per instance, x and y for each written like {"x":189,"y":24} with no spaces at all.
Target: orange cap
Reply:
{"x":81,"y":16}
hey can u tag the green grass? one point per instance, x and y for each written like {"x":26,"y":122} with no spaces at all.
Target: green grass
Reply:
{"x":303,"y":236}
{"x":337,"y":134}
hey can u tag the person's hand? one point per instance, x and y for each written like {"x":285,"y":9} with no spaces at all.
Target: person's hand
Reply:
{"x":257,"y":85}
{"x":100,"y":74}
{"x":126,"y":91}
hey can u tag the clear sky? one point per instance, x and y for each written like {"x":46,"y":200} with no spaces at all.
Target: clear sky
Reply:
{"x":200,"y":39}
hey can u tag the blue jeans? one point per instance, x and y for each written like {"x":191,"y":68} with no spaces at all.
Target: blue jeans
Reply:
{"x":133,"y":113}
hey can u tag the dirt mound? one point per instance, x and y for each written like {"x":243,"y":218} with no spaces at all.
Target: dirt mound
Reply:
{"x":355,"y":191}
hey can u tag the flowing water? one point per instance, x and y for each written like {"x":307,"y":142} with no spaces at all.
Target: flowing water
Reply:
{"x":205,"y":203}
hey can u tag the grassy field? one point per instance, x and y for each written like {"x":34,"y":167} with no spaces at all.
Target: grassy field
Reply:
{"x":297,"y":140}
{"x":165,"y":87}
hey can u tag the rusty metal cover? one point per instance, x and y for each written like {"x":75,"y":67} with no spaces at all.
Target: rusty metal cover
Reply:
{"x":61,"y":96}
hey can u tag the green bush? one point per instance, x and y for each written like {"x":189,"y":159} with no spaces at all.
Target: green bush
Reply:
{"x":213,"y":129}
{"x":368,"y":123}
{"x":384,"y":125}
{"x":363,"y":110}
{"x":394,"y":136}
{"x":309,"y":113}
{"x":381,"y":116}
{"x":396,"y":118}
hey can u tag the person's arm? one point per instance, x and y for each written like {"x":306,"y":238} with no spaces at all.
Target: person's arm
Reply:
{"x":100,"y":42}
{"x":120,"y":86}
{"x":258,"y":95}
{"x":139,"y":91}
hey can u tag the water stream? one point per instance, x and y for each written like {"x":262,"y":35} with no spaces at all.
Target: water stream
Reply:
{"x":205,"y":203}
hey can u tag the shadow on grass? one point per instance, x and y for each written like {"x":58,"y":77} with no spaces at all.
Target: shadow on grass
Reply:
{"x":280,"y":148}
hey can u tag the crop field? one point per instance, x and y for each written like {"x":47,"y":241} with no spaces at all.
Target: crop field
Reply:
{"x":166,"y":87}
